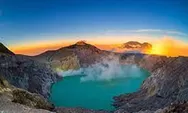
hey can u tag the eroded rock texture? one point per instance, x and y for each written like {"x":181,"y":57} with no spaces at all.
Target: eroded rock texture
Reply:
{"x":167,"y":84}
{"x":15,"y":100}
{"x":28,"y":74}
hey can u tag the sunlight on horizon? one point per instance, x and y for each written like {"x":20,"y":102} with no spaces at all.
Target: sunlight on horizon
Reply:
{"x":166,"y":46}
{"x":169,"y":47}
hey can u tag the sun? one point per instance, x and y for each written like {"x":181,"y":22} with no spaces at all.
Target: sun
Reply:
{"x":165,"y":47}
{"x":158,"y":49}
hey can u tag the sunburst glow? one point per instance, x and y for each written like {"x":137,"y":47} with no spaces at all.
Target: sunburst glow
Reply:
{"x":169,"y":47}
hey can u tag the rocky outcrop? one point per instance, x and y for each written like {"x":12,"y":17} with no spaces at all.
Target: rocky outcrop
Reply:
{"x":14,"y":100}
{"x":27,"y":74}
{"x":7,"y":106}
{"x":66,"y":63}
{"x":31,"y":99}
{"x":175,"y":108}
{"x":5,"y":87}
{"x":167,"y":84}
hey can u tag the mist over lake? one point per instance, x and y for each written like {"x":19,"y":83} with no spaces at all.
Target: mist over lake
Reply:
{"x":94,"y":87}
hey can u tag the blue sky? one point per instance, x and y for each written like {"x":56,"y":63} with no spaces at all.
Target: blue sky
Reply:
{"x":37,"y":20}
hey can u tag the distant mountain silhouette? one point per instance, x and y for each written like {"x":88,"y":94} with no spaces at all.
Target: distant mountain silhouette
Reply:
{"x":135,"y":46}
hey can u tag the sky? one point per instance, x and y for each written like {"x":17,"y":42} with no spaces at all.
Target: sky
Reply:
{"x":38,"y":25}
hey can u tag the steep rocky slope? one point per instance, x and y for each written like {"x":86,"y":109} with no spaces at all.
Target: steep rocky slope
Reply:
{"x":17,"y":71}
{"x":28,"y":74}
{"x":14,"y":100}
{"x":5,"y":50}
{"x":166,"y":85}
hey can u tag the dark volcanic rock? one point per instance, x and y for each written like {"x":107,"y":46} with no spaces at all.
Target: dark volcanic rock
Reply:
{"x":27,"y":74}
{"x":77,"y":110}
{"x":31,"y":99}
{"x":5,"y":50}
{"x":175,"y":108}
{"x":168,"y":83}
{"x":14,"y":100}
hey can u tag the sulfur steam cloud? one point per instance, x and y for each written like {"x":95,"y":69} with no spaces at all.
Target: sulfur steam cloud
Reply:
{"x":108,"y":69}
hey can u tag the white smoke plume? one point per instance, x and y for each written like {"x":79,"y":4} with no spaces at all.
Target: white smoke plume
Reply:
{"x":108,"y":69}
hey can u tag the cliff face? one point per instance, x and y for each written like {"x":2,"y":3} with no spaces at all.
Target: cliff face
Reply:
{"x":18,"y":71}
{"x":27,"y":74}
{"x":167,"y":84}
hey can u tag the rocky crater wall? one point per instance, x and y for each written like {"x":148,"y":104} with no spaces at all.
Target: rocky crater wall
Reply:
{"x":167,"y":84}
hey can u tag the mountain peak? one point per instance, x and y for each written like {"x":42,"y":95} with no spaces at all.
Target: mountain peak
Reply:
{"x":82,"y":42}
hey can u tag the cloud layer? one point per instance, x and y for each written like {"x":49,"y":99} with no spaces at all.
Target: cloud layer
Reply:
{"x":173,"y":32}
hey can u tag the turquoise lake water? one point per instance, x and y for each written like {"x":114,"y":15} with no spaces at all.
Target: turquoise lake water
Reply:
{"x":95,"y":94}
